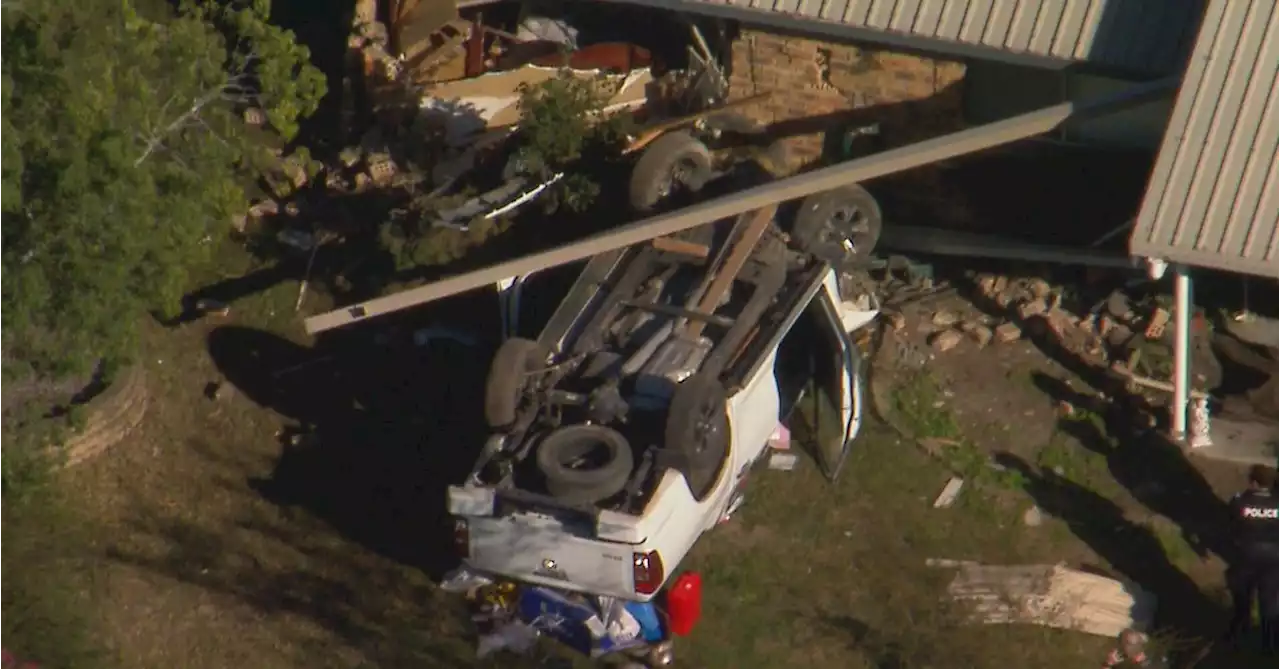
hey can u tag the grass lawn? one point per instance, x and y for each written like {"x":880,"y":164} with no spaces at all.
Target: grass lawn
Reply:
{"x":208,"y":543}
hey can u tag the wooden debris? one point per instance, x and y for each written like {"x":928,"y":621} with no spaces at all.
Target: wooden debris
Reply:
{"x":949,"y":493}
{"x":1054,"y":596}
{"x":1153,"y":384}
{"x":682,"y":247}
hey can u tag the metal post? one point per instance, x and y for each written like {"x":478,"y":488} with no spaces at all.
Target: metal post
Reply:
{"x":1181,"y":350}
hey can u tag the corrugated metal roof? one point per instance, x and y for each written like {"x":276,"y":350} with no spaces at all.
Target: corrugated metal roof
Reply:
{"x":1212,"y":197}
{"x":1138,"y":36}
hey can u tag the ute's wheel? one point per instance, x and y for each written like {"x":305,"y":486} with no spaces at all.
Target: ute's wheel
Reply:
{"x":840,"y":226}
{"x":697,"y":431}
{"x":509,"y":375}
{"x":584,"y":464}
{"x":673,"y":163}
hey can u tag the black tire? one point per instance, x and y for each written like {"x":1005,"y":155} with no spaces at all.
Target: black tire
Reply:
{"x":697,"y":432}
{"x":674,"y":160}
{"x":825,"y":221}
{"x":508,"y":377}
{"x":606,"y":477}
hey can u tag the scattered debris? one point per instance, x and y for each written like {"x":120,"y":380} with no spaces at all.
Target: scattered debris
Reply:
{"x":1156,"y":326}
{"x":1032,"y":308}
{"x":1008,"y":332}
{"x":946,"y":340}
{"x":980,"y":334}
{"x":1039,"y":289}
{"x":1053,"y":596}
{"x":945,"y":319}
{"x":782,"y":461}
{"x":1153,"y":384}
{"x":212,"y":307}
{"x":780,"y":440}
{"x":949,"y":493}
{"x":298,"y":239}
{"x":896,"y":320}
{"x":1066,"y":409}
{"x":255,"y":117}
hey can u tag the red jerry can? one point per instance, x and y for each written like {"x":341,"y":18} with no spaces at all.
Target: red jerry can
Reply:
{"x":684,"y":603}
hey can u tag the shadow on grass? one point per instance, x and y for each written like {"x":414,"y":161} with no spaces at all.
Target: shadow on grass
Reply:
{"x":354,"y":528}
{"x":1184,"y":611}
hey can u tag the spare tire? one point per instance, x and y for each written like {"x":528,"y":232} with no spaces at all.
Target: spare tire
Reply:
{"x":673,"y":161}
{"x":697,"y":431}
{"x":508,"y":377}
{"x":840,"y":226}
{"x":584,"y":464}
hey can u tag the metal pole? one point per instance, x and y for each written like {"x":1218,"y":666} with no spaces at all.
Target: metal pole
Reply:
{"x":892,"y":161}
{"x":1181,"y":350}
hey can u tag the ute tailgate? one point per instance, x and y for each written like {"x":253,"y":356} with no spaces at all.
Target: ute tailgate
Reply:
{"x":545,"y":550}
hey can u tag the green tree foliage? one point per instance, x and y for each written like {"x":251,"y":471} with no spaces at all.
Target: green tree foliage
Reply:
{"x":562,"y":123}
{"x":123,"y":157}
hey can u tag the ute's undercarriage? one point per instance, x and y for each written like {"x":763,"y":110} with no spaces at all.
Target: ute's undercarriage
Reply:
{"x":630,"y":376}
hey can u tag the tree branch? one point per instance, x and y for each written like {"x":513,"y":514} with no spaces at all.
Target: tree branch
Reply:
{"x":235,"y":90}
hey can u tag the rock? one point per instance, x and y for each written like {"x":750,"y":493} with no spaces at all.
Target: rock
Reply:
{"x":945,"y":340}
{"x":362,"y":181}
{"x":1033,"y":517}
{"x":213,"y":307}
{"x":945,"y":319}
{"x":1066,"y":409}
{"x":896,"y":320}
{"x":240,"y":222}
{"x":1031,"y":308}
{"x":1008,"y":332}
{"x":1005,"y":298}
{"x":1039,"y":289}
{"x":1118,"y":335}
{"x":980,"y":334}
{"x":255,"y":117}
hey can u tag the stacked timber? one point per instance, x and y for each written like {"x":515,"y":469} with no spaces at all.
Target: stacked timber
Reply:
{"x":1052,"y":595}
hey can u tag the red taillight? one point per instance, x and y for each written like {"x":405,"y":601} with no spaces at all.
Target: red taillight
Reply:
{"x":461,"y":538}
{"x":647,"y":570}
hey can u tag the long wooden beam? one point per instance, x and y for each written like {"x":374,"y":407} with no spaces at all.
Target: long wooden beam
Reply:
{"x":855,"y":171}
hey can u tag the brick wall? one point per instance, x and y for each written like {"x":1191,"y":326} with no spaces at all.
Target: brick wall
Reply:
{"x":913,"y":97}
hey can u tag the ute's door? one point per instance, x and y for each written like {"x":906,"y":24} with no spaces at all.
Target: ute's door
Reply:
{"x":830,"y":412}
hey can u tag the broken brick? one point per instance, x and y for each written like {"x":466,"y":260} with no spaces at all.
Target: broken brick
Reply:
{"x":946,"y":340}
{"x":1007,"y":332}
{"x":1032,"y":308}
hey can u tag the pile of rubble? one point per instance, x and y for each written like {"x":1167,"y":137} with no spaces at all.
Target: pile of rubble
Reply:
{"x":1131,"y":343}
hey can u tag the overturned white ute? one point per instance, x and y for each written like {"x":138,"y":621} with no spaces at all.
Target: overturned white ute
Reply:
{"x":627,"y":429}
